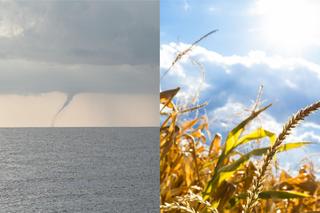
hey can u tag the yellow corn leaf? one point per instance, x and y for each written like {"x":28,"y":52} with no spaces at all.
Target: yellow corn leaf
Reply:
{"x":188,"y":124}
{"x":188,"y":171}
{"x":197,"y":133}
{"x":215,"y":144}
{"x":167,"y":96}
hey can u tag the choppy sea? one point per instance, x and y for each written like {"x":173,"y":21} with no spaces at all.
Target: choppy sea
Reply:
{"x":79,"y":170}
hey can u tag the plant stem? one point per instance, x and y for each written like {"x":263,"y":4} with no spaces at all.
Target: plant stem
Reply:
{"x":253,"y":193}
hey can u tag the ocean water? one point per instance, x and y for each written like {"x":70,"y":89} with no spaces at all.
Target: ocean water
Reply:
{"x":79,"y":170}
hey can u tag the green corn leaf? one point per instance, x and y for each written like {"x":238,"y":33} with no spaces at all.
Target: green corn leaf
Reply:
{"x":255,"y":135}
{"x":258,"y":152}
{"x":293,"y":145}
{"x":234,"y":135}
{"x":276,"y":194}
{"x":228,"y":170}
{"x":281,"y":195}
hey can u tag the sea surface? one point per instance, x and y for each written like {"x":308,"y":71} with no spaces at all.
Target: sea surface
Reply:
{"x":79,"y":170}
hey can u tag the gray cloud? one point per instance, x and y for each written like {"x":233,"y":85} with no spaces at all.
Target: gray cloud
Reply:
{"x":25,"y":77}
{"x":79,"y":46}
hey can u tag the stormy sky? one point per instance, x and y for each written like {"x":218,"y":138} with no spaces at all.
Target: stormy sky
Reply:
{"x":77,"y":55}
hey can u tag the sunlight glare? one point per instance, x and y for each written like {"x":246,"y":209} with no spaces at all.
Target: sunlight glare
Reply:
{"x":290,"y":24}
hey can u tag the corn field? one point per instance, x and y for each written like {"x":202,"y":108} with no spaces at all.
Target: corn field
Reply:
{"x":197,"y":175}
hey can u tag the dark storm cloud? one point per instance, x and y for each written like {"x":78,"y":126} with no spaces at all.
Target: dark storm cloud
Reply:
{"x":79,"y":46}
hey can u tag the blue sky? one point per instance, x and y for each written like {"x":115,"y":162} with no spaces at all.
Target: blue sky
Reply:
{"x":260,"y":42}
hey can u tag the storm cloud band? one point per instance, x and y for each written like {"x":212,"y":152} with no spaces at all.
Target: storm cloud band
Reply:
{"x":79,"y":46}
